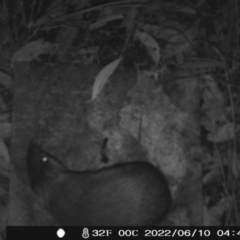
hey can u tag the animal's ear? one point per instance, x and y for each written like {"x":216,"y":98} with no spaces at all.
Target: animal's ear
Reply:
{"x":104,"y":157}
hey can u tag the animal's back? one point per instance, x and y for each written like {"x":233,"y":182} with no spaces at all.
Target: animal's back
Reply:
{"x":126,"y":194}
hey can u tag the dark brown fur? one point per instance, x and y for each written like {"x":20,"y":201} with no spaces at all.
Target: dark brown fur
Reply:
{"x":127,"y":194}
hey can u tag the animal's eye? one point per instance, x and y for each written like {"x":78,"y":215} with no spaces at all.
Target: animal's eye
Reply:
{"x":45,"y":159}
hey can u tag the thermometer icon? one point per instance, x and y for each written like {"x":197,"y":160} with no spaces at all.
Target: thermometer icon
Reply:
{"x":85,"y":233}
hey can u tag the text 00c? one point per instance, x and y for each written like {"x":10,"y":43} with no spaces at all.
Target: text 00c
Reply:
{"x":128,"y":233}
